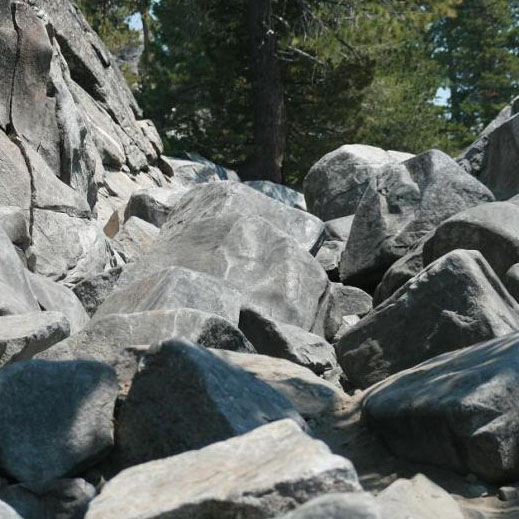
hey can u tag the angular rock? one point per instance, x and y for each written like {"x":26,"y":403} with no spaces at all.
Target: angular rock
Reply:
{"x":171,"y":289}
{"x":457,"y":411}
{"x":136,"y":237}
{"x":8,"y":51}
{"x":23,"y":336}
{"x":15,"y":223}
{"x":335,"y":185}
{"x":311,"y":395}
{"x":491,"y":229}
{"x":283,"y":194}
{"x":183,"y":398}
{"x":94,"y":290}
{"x":261,"y":474}
{"x":233,"y":200}
{"x":455,"y":302}
{"x":339,"y":228}
{"x":153,"y":205}
{"x":6,"y":512}
{"x":356,"y":505}
{"x":54,"y":297}
{"x":511,"y":281}
{"x":418,"y":497}
{"x":276,"y":339}
{"x":57,"y":417}
{"x":189,"y":172}
{"x":266,"y":266}
{"x":399,"y":207}
{"x":329,"y":256}
{"x":16,"y":296}
{"x":63,"y":499}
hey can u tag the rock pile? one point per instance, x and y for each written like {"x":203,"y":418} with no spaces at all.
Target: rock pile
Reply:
{"x":176,"y":343}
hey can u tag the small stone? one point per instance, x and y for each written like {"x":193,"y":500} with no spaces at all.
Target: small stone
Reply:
{"x":508,"y":494}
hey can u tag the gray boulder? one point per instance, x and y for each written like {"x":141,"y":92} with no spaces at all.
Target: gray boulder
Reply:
{"x":339,"y":228}
{"x":511,"y":281}
{"x":358,"y":505}
{"x":54,"y":297}
{"x":268,"y":267}
{"x":455,"y":302}
{"x":457,"y":411}
{"x":136,"y":237}
{"x":261,"y":474}
{"x":276,"y":339}
{"x":399,"y":207}
{"x":335,"y":185}
{"x":94,"y":290}
{"x":233,"y":200}
{"x":492,"y":229}
{"x":283,"y":194}
{"x":58,"y":417}
{"x":174,"y":288}
{"x":6,"y":512}
{"x":23,"y":336}
{"x":329,"y":256}
{"x":183,"y":398}
{"x":63,"y":499}
{"x":15,"y":223}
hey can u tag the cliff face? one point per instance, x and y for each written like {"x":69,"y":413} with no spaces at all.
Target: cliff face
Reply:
{"x":73,"y":146}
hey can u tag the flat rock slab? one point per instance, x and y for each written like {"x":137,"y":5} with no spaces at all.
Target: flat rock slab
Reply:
{"x":455,"y":302}
{"x":457,"y":411}
{"x":57,"y":417}
{"x":183,"y":397}
{"x":261,"y":474}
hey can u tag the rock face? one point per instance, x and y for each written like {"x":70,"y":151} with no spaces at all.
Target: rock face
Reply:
{"x":184,"y":398}
{"x":260,"y":474}
{"x":456,"y":411}
{"x":399,"y":207}
{"x":455,"y":302}
{"x":58,"y":417}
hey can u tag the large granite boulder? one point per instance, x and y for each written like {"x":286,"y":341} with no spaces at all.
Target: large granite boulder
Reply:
{"x":457,"y":411}
{"x":399,"y":207}
{"x":136,"y":237}
{"x":455,"y":302}
{"x":183,"y":398}
{"x":261,"y":474}
{"x":266,"y":266}
{"x":57,"y":417}
{"x":335,"y":185}
{"x":283,"y":194}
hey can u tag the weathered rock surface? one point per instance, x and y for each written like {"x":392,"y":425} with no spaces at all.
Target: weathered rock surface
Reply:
{"x":260,"y":474}
{"x":399,"y":207}
{"x":54,"y":297}
{"x":174,"y":288}
{"x":329,"y":256}
{"x":491,"y":229}
{"x":268,"y":267}
{"x":278,"y":192}
{"x":23,"y":336}
{"x":136,"y":237}
{"x":339,"y":228}
{"x":455,"y":302}
{"x":511,"y":281}
{"x":356,"y":505}
{"x":63,"y":499}
{"x":183,"y":398}
{"x":57,"y":417}
{"x":15,"y":223}
{"x":456,"y":411}
{"x":285,"y":341}
{"x":6,"y":512}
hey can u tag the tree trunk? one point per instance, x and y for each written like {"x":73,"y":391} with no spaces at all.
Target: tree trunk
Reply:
{"x":268,"y":154}
{"x":144,"y":9}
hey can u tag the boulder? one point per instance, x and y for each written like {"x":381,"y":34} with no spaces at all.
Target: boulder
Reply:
{"x":399,"y":207}
{"x":153,"y":205}
{"x":491,"y":229}
{"x":120,"y":340}
{"x":455,"y":302}
{"x":15,"y":223}
{"x":183,"y":398}
{"x":189,"y":172}
{"x":511,"y":281}
{"x":312,"y":396}
{"x":57,"y":417}
{"x":457,"y":411}
{"x":358,"y":505}
{"x":136,"y":237}
{"x":285,"y":341}
{"x":94,"y":290}
{"x":268,"y":268}
{"x":283,"y":194}
{"x":335,"y":185}
{"x":419,"y":498}
{"x":63,"y":499}
{"x":171,"y":289}
{"x":339,"y":228}
{"x":16,"y":296}
{"x":261,"y":474}
{"x":53,"y":297}
{"x":329,"y":256}
{"x":23,"y":336}
{"x":6,"y":512}
{"x":233,"y":200}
